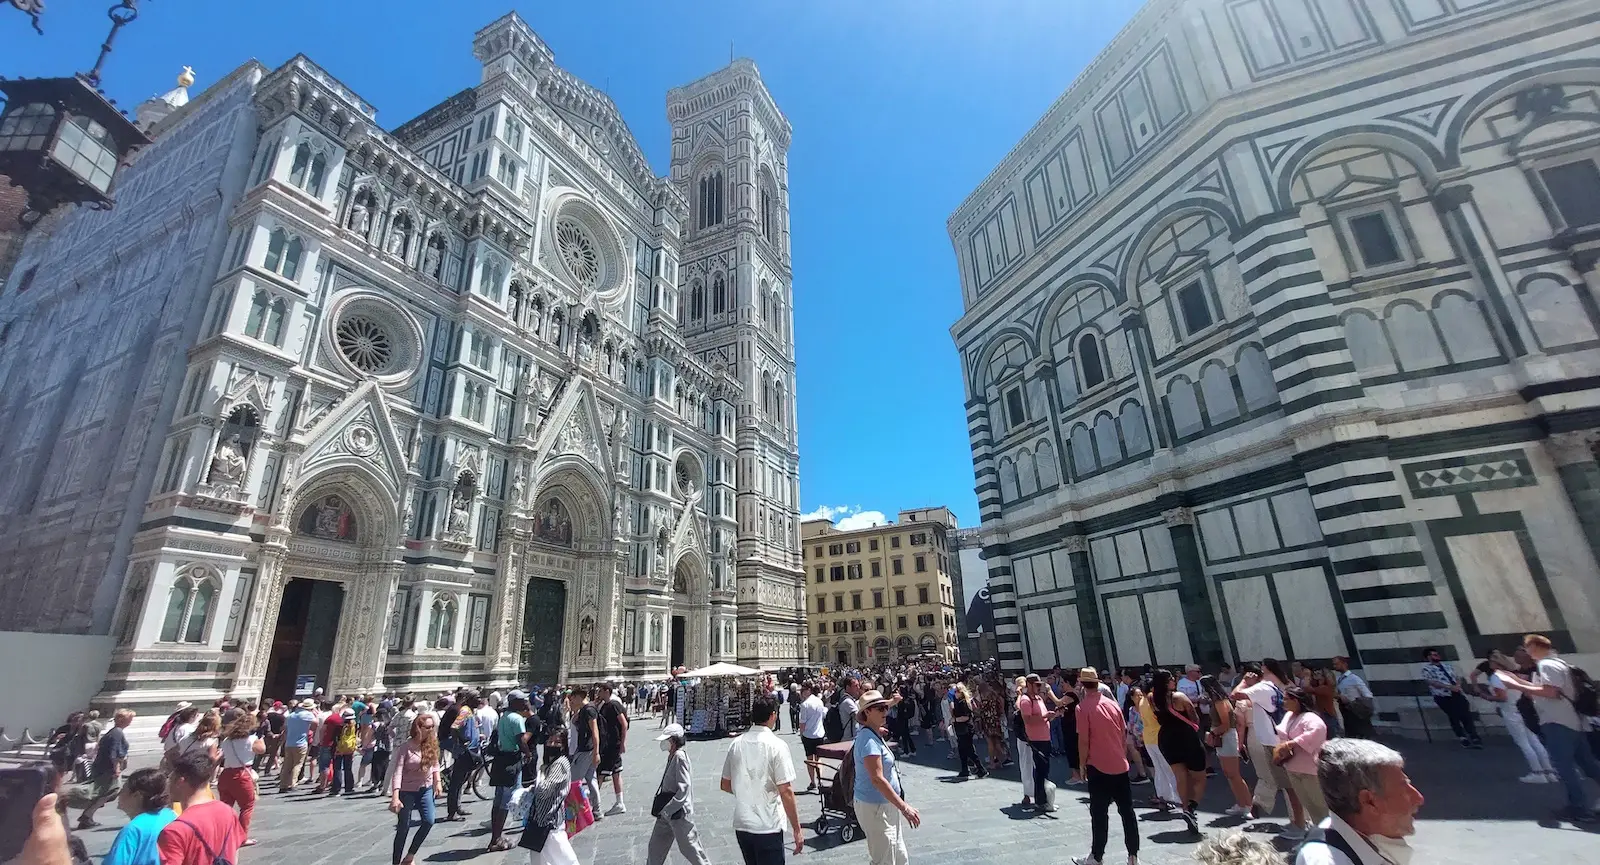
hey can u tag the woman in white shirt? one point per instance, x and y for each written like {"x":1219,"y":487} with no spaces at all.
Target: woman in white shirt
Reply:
{"x":236,"y":786}
{"x":1505,"y":702}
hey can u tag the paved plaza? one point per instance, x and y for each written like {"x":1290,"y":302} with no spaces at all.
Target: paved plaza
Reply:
{"x":1475,"y":812}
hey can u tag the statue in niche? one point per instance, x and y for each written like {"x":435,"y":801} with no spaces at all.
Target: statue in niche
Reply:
{"x":517,"y":484}
{"x":586,"y":637}
{"x":553,"y":525}
{"x":397,"y":239}
{"x":359,"y":218}
{"x":617,"y":516}
{"x":228,"y":465}
{"x":430,"y":261}
{"x":460,"y":511}
{"x":680,"y":583}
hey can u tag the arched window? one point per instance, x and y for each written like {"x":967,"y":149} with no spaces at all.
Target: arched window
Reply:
{"x":766,"y":308}
{"x":319,"y":170}
{"x":273,"y":331}
{"x":697,"y":301}
{"x":189,"y":607}
{"x":711,"y":199}
{"x":255,"y":323}
{"x":719,"y":299}
{"x":1089,"y":362}
{"x":779,"y":404}
{"x":442,"y":623}
{"x":301,"y":165}
{"x":768,"y":223}
{"x":766,"y":394}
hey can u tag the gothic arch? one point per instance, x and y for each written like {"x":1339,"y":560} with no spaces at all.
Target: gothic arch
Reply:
{"x":1577,"y":71}
{"x":377,"y":522}
{"x":582,"y":490}
{"x":1413,"y":146}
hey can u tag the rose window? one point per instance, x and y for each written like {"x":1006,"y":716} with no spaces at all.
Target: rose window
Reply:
{"x":364,"y":343}
{"x":578,"y":252}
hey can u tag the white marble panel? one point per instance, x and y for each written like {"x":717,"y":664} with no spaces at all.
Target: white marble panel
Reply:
{"x":1297,"y":518}
{"x":1158,"y":546}
{"x":1043,"y":578}
{"x":1500,"y":591}
{"x":1104,"y":551}
{"x":1061,"y":561}
{"x":1069,"y":635}
{"x":1130,"y":551}
{"x":1255,"y":627}
{"x":1256,"y":532}
{"x":1127,"y":627}
{"x":1041,"y":647}
{"x":1022,"y":574}
{"x":1167,"y":629}
{"x":1216,"y":533}
{"x":1309,"y":612}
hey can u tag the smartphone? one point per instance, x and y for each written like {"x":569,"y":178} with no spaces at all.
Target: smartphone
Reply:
{"x":20,"y":790}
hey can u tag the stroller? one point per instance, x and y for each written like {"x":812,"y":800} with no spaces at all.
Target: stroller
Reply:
{"x":837,"y":780}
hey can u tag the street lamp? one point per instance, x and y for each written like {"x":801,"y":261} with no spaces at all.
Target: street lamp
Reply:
{"x":61,"y":139}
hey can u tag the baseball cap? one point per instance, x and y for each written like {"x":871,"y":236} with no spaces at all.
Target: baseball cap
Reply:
{"x":670,"y":731}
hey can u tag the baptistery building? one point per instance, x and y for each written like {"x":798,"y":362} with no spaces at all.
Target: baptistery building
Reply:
{"x":479,"y":398}
{"x":1281,"y":339}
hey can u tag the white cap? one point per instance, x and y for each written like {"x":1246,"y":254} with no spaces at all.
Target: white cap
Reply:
{"x":670,"y":731}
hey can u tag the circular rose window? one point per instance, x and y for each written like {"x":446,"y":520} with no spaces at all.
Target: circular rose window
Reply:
{"x":579,"y":252}
{"x":365,"y":344}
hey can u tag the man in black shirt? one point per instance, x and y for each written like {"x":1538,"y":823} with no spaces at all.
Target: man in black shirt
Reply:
{"x":105,"y":774}
{"x":613,"y":741}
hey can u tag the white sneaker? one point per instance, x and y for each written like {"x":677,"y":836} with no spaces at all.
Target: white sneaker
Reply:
{"x":1534,"y":778}
{"x":616,"y":809}
{"x":1238,"y":811}
{"x":1293,"y":833}
{"x":1085,"y":860}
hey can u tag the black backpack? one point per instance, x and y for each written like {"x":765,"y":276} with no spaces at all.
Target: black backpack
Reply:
{"x":833,"y":724}
{"x":1585,"y":696}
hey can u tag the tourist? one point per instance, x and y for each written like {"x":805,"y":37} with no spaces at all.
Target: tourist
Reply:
{"x":382,"y":745}
{"x":961,"y":716}
{"x":850,"y":693}
{"x":544,"y":831}
{"x":346,"y":742}
{"x":204,"y":738}
{"x":905,"y":711}
{"x":205,"y":831}
{"x":1133,"y":739}
{"x":1324,"y":699}
{"x":1036,"y":718}
{"x":760,"y":775}
{"x":178,"y":728}
{"x":236,"y":786}
{"x":674,"y":804}
{"x":812,"y":731}
{"x":1554,"y":691}
{"x":1178,"y":740}
{"x":330,"y":719}
{"x":1372,"y":806}
{"x":1301,"y":735}
{"x":144,"y":799}
{"x":796,"y":697}
{"x":1445,"y":687}
{"x":415,"y":785}
{"x":613,"y":727}
{"x":1262,"y":685}
{"x":1495,"y":691}
{"x":1166,"y":795}
{"x":272,"y":734}
{"x":464,"y":740}
{"x":297,"y":729}
{"x":514,"y":746}
{"x":105,"y":772}
{"x":1101,"y":734}
{"x":1019,"y":732}
{"x":1223,"y":738}
{"x":583,"y":743}
{"x":877,"y":791}
{"x":1068,"y":725}
{"x":1356,"y":704}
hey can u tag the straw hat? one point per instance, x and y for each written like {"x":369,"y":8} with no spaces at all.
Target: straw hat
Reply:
{"x":869,"y":700}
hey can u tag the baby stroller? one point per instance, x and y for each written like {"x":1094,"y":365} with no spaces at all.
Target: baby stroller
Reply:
{"x":837,"y":781}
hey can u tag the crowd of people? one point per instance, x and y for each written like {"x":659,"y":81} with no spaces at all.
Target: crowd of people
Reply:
{"x":1302,"y":733}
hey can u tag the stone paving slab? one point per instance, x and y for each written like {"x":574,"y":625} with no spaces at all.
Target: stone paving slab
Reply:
{"x":1476,"y":812}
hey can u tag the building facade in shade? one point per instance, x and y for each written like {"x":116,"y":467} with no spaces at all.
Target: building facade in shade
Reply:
{"x":1281,"y":327}
{"x":881,"y":593}
{"x":966,"y":557}
{"x":482,"y":399}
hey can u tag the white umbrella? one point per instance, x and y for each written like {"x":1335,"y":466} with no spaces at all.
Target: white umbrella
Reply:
{"x":720,"y":669}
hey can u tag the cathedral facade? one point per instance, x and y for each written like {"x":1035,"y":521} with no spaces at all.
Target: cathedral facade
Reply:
{"x":481,"y":399}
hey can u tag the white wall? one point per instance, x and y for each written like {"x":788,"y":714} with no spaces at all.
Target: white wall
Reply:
{"x":47,"y":676}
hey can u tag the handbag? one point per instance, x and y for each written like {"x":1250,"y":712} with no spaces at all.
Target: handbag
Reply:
{"x":1282,"y":755}
{"x":660,"y":802}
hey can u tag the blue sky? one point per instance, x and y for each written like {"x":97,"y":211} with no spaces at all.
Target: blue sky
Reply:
{"x":900,"y":108}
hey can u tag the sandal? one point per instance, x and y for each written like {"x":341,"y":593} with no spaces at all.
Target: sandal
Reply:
{"x":500,"y":846}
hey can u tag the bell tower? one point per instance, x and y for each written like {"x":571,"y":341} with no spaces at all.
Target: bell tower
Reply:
{"x":730,"y":148}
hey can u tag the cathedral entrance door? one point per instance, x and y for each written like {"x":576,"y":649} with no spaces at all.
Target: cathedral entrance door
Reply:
{"x":542,"y":618}
{"x":302,"y":644}
{"x":679,"y":626}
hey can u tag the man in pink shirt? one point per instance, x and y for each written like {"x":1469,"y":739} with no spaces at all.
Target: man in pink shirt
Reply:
{"x":1104,"y":759}
{"x":1036,"y":718}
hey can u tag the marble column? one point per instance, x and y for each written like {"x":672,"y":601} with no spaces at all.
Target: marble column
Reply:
{"x":256,"y":647}
{"x":1574,"y":456}
{"x":506,"y":625}
{"x":1087,"y":603}
{"x":1194,"y":592}
{"x":1456,"y":204}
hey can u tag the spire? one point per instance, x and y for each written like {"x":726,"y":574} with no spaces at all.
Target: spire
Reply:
{"x":156,"y":108}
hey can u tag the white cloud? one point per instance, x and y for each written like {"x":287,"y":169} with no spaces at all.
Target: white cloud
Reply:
{"x":847,"y":517}
{"x":862,"y":520}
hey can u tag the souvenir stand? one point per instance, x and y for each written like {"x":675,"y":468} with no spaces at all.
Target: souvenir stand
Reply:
{"x":715,"y":701}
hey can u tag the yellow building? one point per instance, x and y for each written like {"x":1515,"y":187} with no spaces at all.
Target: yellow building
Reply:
{"x":879,"y":594}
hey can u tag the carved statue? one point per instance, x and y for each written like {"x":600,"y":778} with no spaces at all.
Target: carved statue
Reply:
{"x":397,"y":240}
{"x":228,"y":466}
{"x":358,"y":219}
{"x":586,"y":637}
{"x":460,"y":513}
{"x":410,"y":513}
{"x":517,"y":484}
{"x":430,"y":261}
{"x":617,"y":515}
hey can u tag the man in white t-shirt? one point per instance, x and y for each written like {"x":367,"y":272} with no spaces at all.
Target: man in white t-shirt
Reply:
{"x":812,"y":731}
{"x":760,"y":775}
{"x":1560,"y":725}
{"x":1263,"y":686}
{"x":1356,"y":703}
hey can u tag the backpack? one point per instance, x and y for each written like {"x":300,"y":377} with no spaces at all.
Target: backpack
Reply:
{"x":216,"y":857}
{"x":1277,"y":710}
{"x":348,"y":739}
{"x":1585,"y":696}
{"x":833,"y":724}
{"x":167,"y":725}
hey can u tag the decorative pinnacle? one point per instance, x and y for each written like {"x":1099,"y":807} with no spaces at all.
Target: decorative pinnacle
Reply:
{"x":186,"y":77}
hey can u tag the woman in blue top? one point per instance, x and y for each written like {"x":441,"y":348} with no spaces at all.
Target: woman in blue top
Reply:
{"x":144,"y":799}
{"x":877,"y":788}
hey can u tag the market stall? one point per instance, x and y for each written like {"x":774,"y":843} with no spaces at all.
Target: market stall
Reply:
{"x":715,"y":700}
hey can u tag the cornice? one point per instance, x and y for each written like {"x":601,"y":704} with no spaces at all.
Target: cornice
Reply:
{"x":739,"y":78}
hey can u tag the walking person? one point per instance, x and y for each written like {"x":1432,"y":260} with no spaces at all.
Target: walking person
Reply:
{"x":760,"y":776}
{"x":178,"y":728}
{"x":514,"y":747}
{"x":1445,"y":687}
{"x":961,"y":715}
{"x":346,"y":742}
{"x":1223,"y":738}
{"x":1178,"y":740}
{"x":673,"y":806}
{"x":1262,"y":685}
{"x":613,"y":727}
{"x":236,"y":786}
{"x":105,"y":773}
{"x":465,"y":744}
{"x":206,"y":831}
{"x":1167,"y":795}
{"x":813,"y":731}
{"x":583,"y":744}
{"x":1505,"y":703}
{"x":414,"y":786}
{"x":1101,"y":733}
{"x":1554,"y":690}
{"x":145,"y":800}
{"x":297,"y":730}
{"x":1301,"y":735}
{"x":272,"y":734}
{"x":544,"y":830}
{"x":1019,"y":732}
{"x":382,"y":745}
{"x":1356,"y":703}
{"x":878,"y":794}
{"x":1036,"y":718}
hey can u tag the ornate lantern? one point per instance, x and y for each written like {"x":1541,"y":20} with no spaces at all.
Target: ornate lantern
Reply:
{"x":61,"y":139}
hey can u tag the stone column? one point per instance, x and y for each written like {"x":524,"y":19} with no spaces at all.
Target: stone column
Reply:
{"x":376,"y":601}
{"x":256,"y":646}
{"x":505,"y":626}
{"x":1455,"y":203}
{"x":1574,"y":456}
{"x":1088,"y":603}
{"x":1194,"y":592}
